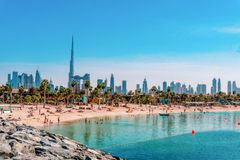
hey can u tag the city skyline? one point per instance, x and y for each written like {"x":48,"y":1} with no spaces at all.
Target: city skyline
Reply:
{"x":28,"y":81}
{"x":153,"y":40}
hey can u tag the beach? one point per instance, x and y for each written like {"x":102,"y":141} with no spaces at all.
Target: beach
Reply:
{"x":38,"y":116}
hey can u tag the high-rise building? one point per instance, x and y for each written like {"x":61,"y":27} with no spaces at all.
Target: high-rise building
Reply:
{"x":172,"y":86}
{"x":219,"y":85}
{"x":51,"y":86}
{"x":112,"y":84}
{"x":118,"y":89}
{"x":201,"y":89}
{"x":105,"y":84}
{"x":178,"y":88}
{"x":184,"y":89}
{"x":124,"y":87}
{"x":9,"y":79}
{"x":229,"y":88}
{"x":214,"y":87}
{"x":71,"y":67}
{"x":234,"y":87}
{"x":37,"y":79}
{"x":138,"y":88}
{"x":145,"y":87}
{"x":190,"y":89}
{"x":15,"y":80}
{"x":164,"y":86}
{"x":30,"y":81}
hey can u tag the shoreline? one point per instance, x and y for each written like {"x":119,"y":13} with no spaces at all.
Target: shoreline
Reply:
{"x":35,"y":116}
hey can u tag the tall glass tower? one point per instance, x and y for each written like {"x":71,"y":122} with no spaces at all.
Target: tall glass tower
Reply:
{"x":112,"y":84}
{"x":219,"y":85}
{"x":37,"y":79}
{"x":71,"y":70}
{"x":124,"y":87}
{"x":214,"y":86}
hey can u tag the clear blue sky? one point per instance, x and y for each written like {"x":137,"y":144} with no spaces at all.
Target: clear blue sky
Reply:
{"x":144,"y":37}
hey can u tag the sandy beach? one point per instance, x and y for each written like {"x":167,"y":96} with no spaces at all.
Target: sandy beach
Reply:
{"x":38,"y":116}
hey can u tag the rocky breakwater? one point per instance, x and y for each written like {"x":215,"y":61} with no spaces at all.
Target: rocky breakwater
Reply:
{"x":26,"y":142}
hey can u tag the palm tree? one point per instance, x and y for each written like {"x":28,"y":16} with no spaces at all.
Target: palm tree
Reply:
{"x":45,"y":88}
{"x":21,"y":91}
{"x":73,"y":85}
{"x":9,"y":89}
{"x":87,"y":87}
{"x":2,"y":89}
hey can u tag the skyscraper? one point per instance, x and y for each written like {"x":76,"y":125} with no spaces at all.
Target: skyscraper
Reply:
{"x":30,"y":81}
{"x":229,"y":88}
{"x":138,"y":88}
{"x":164,"y":86}
{"x":172,"y":86}
{"x":178,"y":88}
{"x":112,"y":84}
{"x":201,"y":89}
{"x":145,"y":87}
{"x":9,"y":79}
{"x":71,"y":68}
{"x":184,"y":89}
{"x":214,"y":87}
{"x":124,"y":87}
{"x":37,"y":79}
{"x":105,"y":84}
{"x":118,"y":89}
{"x":15,"y":80}
{"x":219,"y":85}
{"x":51,"y":86}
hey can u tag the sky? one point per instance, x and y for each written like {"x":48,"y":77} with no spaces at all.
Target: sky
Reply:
{"x":187,"y":41}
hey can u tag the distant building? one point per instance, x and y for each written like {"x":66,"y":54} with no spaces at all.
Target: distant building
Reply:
{"x":184,"y":89}
{"x":9,"y":79}
{"x":105,"y":84}
{"x":229,"y":88}
{"x":71,"y":67}
{"x":30,"y":81}
{"x":112,"y":84}
{"x":81,"y":80}
{"x":52,"y":88}
{"x":178,"y":88}
{"x":124,"y":87}
{"x":172,"y":86}
{"x":15,"y":80}
{"x":235,"y":89}
{"x":201,"y":89}
{"x":138,"y":88}
{"x":219,"y":85}
{"x":164,"y":86}
{"x":118,"y":89}
{"x":144,"y":86}
{"x":190,"y":89}
{"x":214,"y":87}
{"x":38,"y":79}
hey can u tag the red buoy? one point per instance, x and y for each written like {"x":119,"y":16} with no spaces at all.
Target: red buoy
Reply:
{"x":193,"y":131}
{"x":239,"y":123}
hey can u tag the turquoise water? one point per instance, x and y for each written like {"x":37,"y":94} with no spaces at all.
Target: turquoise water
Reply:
{"x":154,"y":137}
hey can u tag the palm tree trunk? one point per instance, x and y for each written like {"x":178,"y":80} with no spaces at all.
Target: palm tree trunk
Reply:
{"x":44,"y":100}
{"x":11,"y":99}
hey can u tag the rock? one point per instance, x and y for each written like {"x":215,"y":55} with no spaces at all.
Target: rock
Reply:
{"x":25,"y":142}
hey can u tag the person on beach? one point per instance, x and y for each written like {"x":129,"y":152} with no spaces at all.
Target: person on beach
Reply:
{"x":58,"y":119}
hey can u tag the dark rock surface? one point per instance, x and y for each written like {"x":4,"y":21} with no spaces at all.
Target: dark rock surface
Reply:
{"x":20,"y":142}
